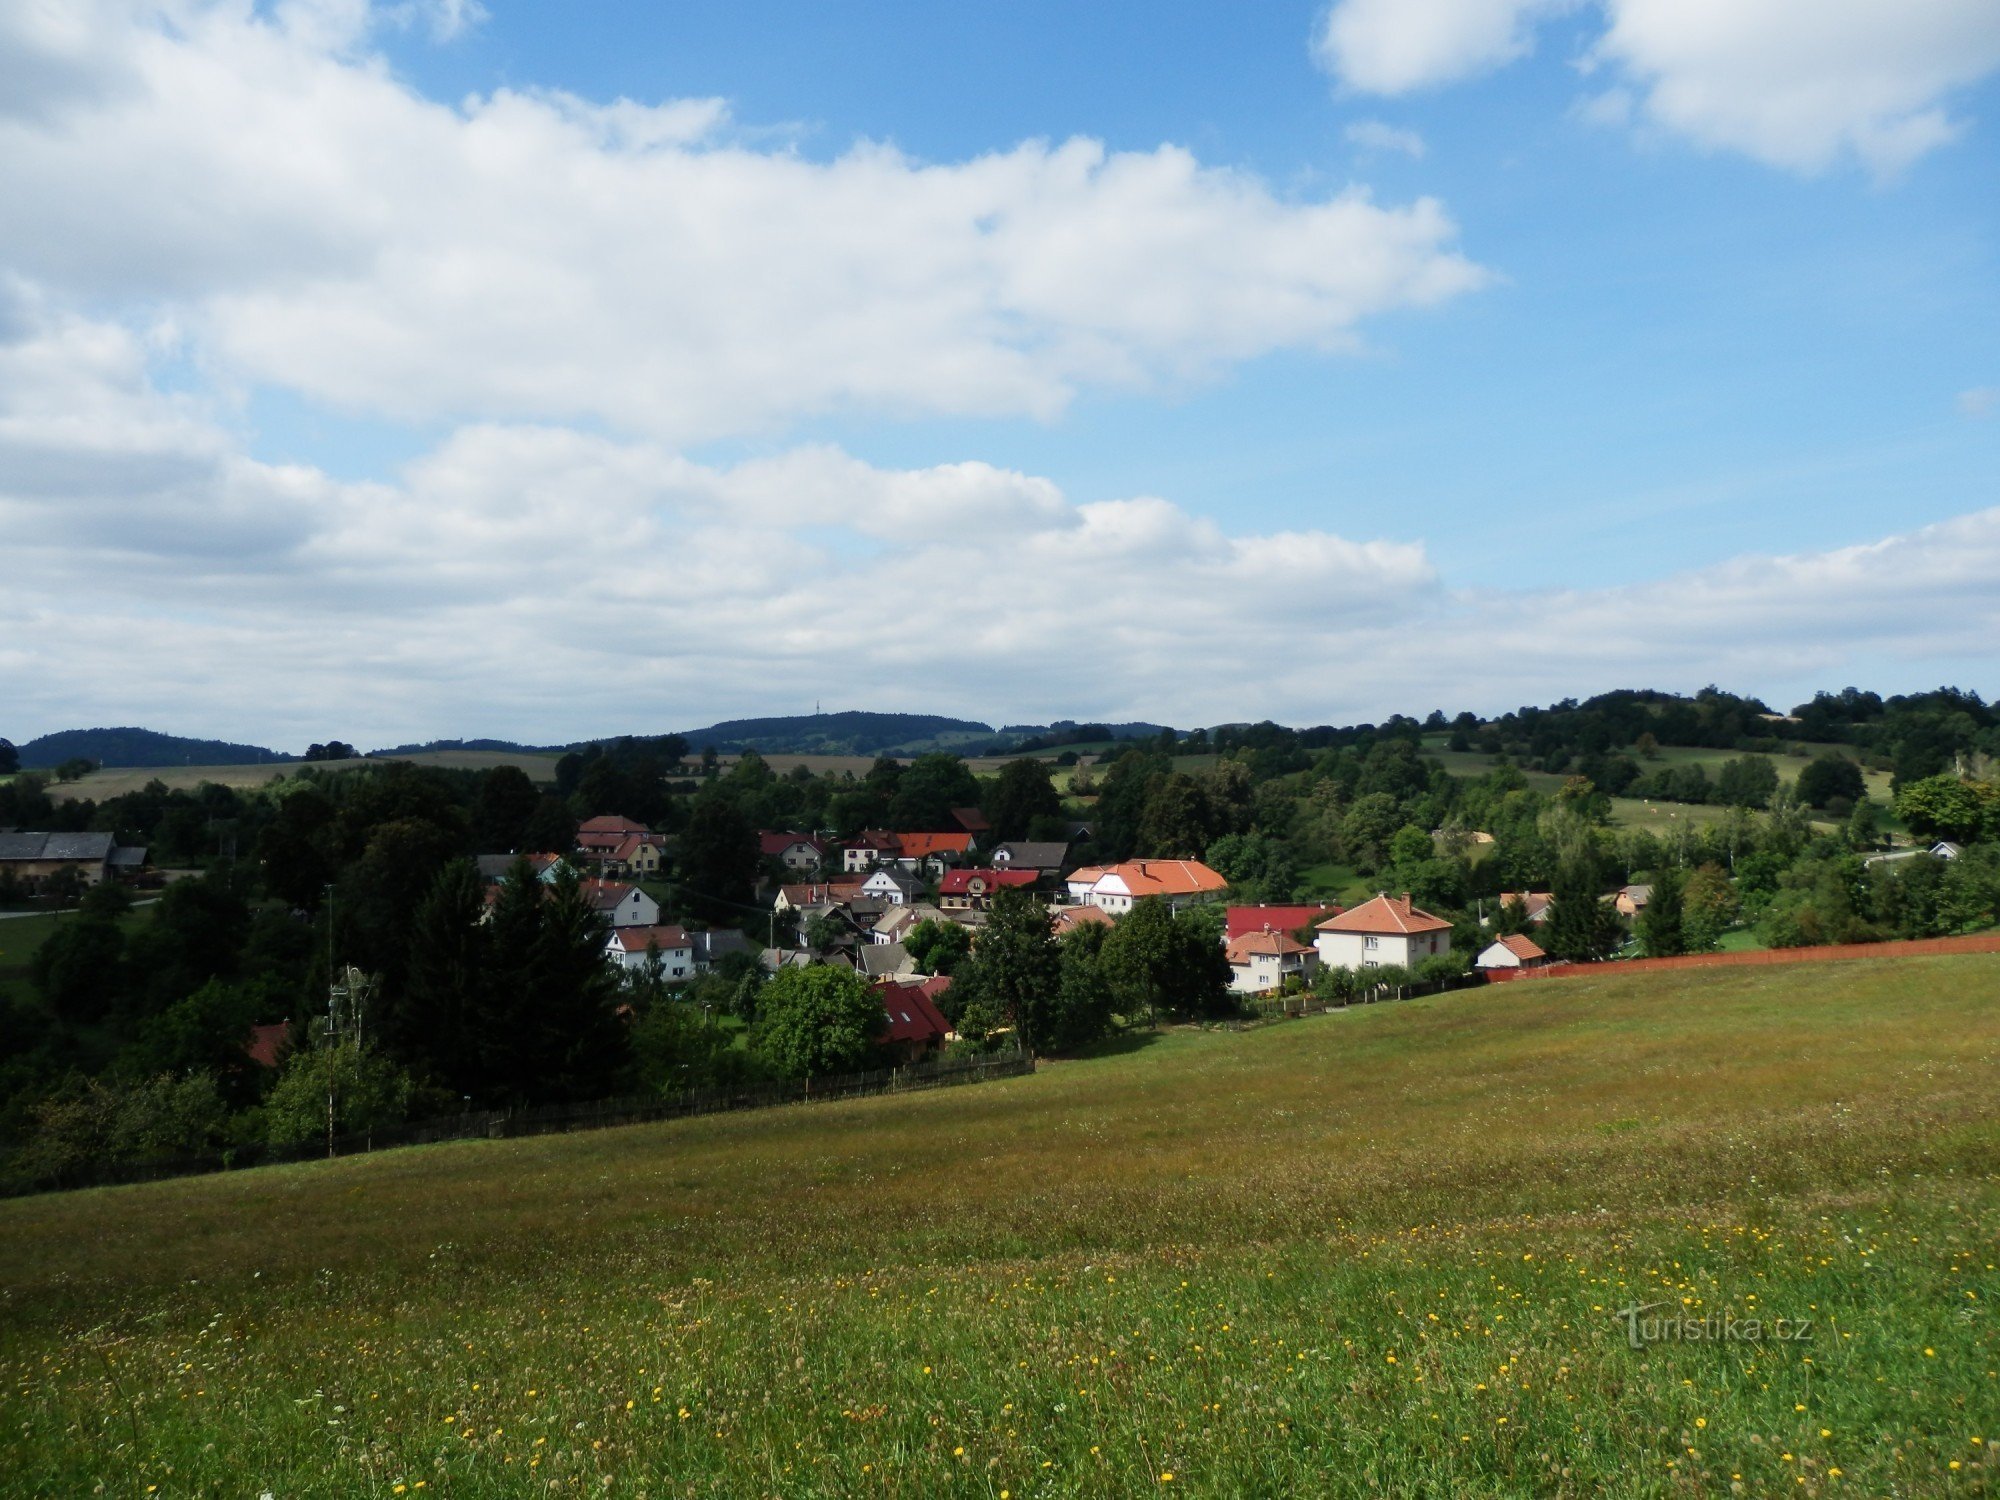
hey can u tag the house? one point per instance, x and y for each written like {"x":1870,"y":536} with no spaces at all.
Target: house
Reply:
{"x":1387,"y":930}
{"x":1069,"y":918}
{"x":1239,"y":921}
{"x":972,"y":820}
{"x":1517,"y":951}
{"x":493,"y":868}
{"x":712,"y":947}
{"x":816,"y":897}
{"x":34,"y":858}
{"x":974,"y":890}
{"x":622,"y":905}
{"x":1260,"y":962}
{"x":882,"y":961}
{"x":917,"y":1028}
{"x":1081,"y":882}
{"x":1045,"y":858}
{"x":632,"y":948}
{"x":892,"y":885}
{"x":867,"y":849}
{"x":599,"y":836}
{"x":1535,"y":903}
{"x":638,"y":854}
{"x":931,"y":853}
{"x":896,"y":923}
{"x":799,"y":852}
{"x":268,"y":1045}
{"x":1632,"y":899}
{"x":1178,"y":882}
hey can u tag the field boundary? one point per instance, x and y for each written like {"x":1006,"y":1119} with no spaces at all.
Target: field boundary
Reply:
{"x":553,"y":1119}
{"x":1976,"y":942}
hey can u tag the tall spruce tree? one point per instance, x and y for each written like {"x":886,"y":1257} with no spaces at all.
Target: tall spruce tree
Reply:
{"x":1581,"y":925}
{"x":432,"y":1026}
{"x":584,"y":1050}
{"x":1662,"y":925}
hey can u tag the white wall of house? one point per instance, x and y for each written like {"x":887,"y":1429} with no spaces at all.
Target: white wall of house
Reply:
{"x":675,"y":963}
{"x":881,"y":885}
{"x":635,"y":909}
{"x":1264,"y":972}
{"x":1497,"y":956}
{"x":1368,"y":950}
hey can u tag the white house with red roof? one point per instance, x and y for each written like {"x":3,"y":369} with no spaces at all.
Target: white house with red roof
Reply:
{"x":800,"y":852}
{"x":1261,"y":962}
{"x":622,"y":905}
{"x":1517,"y":951}
{"x":1178,"y":882}
{"x":1387,"y":930}
{"x":630,"y":948}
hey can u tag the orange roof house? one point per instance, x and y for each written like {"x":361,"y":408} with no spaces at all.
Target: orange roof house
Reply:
{"x":1382,"y":931}
{"x":1175,"y":881}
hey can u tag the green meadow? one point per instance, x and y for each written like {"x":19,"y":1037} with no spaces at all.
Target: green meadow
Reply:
{"x":1374,"y":1253}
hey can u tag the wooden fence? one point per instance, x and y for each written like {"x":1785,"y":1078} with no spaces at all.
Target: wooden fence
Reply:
{"x":561,"y":1119}
{"x":1978,"y":942}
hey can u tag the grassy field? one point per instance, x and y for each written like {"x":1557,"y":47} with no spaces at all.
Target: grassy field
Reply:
{"x":1373,"y":1253}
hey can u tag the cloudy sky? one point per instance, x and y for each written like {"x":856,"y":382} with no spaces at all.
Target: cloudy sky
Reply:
{"x":437,"y":368}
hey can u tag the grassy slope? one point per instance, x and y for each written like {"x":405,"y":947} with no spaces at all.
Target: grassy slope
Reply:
{"x":1370,"y":1253}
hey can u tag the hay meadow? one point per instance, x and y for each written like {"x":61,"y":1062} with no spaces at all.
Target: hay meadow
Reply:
{"x":1374,"y":1253}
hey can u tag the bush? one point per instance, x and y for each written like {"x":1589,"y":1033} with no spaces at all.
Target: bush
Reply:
{"x":104,"y":1125}
{"x":369,"y":1093}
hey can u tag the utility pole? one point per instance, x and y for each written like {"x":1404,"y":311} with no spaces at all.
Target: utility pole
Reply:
{"x":332,"y":1025}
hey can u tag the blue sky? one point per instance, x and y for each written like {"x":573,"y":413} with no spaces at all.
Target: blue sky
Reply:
{"x":374,"y":375}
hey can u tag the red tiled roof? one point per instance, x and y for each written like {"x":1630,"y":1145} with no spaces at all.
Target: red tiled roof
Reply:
{"x":269,"y":1044}
{"x":636,"y":939}
{"x":1522,"y":947}
{"x":1241,"y":919}
{"x":771,"y":843}
{"x":1279,"y":944}
{"x":605,"y":894}
{"x":923,"y":845}
{"x":958,"y":882}
{"x":1166,"y":877}
{"x":611,"y":823}
{"x":1386,"y":913}
{"x":1533,"y":902}
{"x":1072,"y":917}
{"x":971,"y":819}
{"x":912,"y":1009}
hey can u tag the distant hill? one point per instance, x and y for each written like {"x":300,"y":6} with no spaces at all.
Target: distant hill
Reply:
{"x":851,"y":733}
{"x":139,"y":747}
{"x":501,"y":747}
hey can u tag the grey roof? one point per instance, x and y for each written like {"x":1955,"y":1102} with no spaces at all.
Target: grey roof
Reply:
{"x":494,"y":866}
{"x":909,"y":885}
{"x":878,"y":960}
{"x":1031,"y":856}
{"x":78,"y":846}
{"x":129,"y":857}
{"x":709,"y":947}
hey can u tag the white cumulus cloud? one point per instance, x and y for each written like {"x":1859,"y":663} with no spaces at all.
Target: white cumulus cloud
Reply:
{"x":316,"y":224}
{"x":1799,"y":84}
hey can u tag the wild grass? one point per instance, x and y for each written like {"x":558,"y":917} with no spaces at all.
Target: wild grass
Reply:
{"x":1372,"y":1253}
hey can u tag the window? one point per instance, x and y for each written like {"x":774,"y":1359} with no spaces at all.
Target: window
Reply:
{"x":1371,"y":942}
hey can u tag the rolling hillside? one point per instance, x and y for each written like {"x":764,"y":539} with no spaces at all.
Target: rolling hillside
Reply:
{"x":1373,"y":1253}
{"x":138,"y":747}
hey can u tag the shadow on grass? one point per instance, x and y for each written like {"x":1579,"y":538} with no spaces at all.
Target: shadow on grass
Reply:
{"x":1135,"y":1040}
